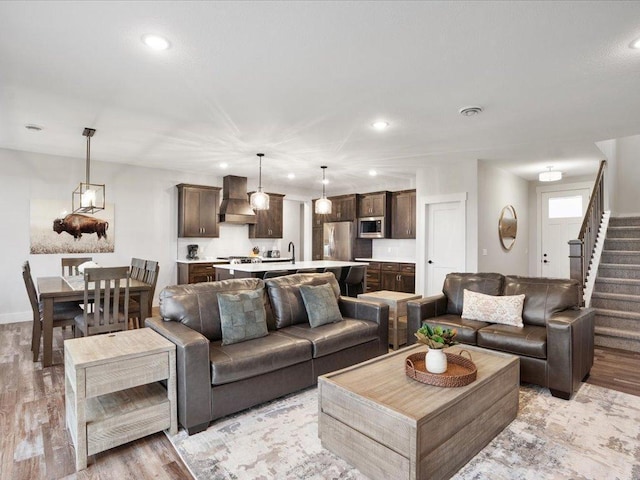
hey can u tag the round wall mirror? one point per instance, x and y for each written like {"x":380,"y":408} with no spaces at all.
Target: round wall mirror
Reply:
{"x":508,"y":227}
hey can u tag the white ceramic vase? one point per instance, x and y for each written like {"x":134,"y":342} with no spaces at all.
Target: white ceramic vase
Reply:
{"x":436,"y":360}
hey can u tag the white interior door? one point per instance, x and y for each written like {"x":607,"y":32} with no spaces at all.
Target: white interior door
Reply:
{"x":445,"y":243}
{"x":562,"y":215}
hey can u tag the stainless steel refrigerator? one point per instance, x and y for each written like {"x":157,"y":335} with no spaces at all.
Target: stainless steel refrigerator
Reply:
{"x":337,"y":241}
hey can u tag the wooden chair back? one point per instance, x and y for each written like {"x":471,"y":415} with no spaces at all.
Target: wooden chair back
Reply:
{"x":137,"y":269}
{"x":110,"y":287}
{"x":31,"y":291}
{"x":70,"y":265}
{"x":151,"y":270}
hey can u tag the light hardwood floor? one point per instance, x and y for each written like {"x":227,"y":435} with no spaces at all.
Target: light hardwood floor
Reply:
{"x":34,"y":443}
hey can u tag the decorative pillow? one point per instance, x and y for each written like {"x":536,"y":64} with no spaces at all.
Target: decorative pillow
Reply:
{"x":321,"y":304}
{"x":242,"y":316}
{"x":505,"y":309}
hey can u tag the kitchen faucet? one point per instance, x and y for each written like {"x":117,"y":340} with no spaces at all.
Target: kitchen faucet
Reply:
{"x":293,"y":256}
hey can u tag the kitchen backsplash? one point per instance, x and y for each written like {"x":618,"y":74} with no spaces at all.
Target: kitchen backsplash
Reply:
{"x":390,"y":249}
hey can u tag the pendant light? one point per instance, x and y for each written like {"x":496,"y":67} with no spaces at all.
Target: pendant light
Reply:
{"x":259,"y":200}
{"x":88,"y":197}
{"x":550,"y":175}
{"x":323,"y":205}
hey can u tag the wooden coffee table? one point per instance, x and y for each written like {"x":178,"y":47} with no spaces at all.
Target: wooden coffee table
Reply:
{"x":390,"y":426}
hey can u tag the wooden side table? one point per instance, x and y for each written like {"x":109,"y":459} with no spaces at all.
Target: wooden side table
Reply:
{"x":397,"y":302}
{"x":112,"y":394}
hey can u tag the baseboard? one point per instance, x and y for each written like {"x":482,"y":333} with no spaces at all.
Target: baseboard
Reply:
{"x":15,"y":317}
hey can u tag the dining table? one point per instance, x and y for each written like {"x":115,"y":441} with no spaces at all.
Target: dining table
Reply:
{"x":59,"y":289}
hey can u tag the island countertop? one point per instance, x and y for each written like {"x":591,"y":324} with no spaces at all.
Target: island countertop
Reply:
{"x":266,"y":267}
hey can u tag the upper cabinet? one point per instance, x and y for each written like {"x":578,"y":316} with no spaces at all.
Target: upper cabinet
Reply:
{"x":373,"y":204}
{"x":403,"y":208}
{"x":268,"y":222}
{"x":343,"y":208}
{"x":198,"y":208}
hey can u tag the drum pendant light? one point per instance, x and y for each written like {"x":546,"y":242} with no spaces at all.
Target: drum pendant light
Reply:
{"x":88,"y":197}
{"x":259,"y":200}
{"x":323,"y":205}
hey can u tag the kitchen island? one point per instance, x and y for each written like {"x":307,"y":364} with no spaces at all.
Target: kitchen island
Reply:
{"x":257,"y":270}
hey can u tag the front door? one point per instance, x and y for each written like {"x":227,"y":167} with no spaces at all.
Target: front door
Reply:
{"x":445,"y":243}
{"x":562,"y":215}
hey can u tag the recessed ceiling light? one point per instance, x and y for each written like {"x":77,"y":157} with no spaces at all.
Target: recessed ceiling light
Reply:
{"x":33,"y":128}
{"x":224,"y":165}
{"x":155,"y":42}
{"x":291,"y":176}
{"x":470,"y":111}
{"x":635,"y":44}
{"x":373,"y":173}
{"x":380,"y":125}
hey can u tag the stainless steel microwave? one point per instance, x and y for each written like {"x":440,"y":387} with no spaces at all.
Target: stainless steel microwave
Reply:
{"x":371,"y":227}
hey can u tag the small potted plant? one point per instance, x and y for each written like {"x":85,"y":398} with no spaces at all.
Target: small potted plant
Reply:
{"x":436,"y":339}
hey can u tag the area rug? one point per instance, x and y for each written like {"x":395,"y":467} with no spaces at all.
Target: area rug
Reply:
{"x":596,"y":435}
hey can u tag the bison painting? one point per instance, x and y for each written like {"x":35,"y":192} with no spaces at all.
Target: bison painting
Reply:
{"x":75,"y":224}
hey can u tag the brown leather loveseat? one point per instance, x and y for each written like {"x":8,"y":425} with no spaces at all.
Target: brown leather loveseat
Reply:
{"x":216,"y":379}
{"x":555,"y":345}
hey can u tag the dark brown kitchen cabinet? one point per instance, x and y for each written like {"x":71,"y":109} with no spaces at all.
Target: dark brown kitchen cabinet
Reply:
{"x":196,"y":272}
{"x":343,"y":208}
{"x":268,"y":222}
{"x":373,"y":277}
{"x":198,"y":208}
{"x":316,"y":243}
{"x":373,"y":204}
{"x":398,"y":277}
{"x":403,"y":214}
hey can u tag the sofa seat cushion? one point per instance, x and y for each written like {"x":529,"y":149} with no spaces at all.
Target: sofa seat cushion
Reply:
{"x":530,"y":340}
{"x":466,"y":328}
{"x":230,"y":363}
{"x":333,"y":337}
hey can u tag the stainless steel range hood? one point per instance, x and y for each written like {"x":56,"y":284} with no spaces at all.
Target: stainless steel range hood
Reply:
{"x":235,"y":206}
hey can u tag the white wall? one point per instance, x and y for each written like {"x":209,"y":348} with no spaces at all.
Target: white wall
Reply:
{"x":627,"y":177}
{"x":442,"y":179}
{"x":496,"y":189}
{"x":145,"y":223}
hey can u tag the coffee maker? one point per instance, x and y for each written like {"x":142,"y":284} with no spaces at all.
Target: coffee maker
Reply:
{"x":192,"y":252}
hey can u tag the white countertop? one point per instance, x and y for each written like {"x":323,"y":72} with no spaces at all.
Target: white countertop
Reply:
{"x":266,"y":267}
{"x":387,"y":260}
{"x":221,"y":261}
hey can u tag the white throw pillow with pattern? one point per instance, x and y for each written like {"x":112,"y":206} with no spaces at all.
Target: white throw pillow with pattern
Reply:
{"x":504,"y":309}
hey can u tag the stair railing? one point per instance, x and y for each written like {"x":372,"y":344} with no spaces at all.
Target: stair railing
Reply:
{"x":581,"y":249}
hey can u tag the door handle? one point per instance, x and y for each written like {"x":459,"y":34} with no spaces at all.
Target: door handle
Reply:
{"x":430,"y":262}
{"x":546,"y":261}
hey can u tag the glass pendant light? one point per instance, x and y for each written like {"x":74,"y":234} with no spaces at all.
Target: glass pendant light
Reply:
{"x":323,"y":205}
{"x":88,"y":197}
{"x":259,"y":200}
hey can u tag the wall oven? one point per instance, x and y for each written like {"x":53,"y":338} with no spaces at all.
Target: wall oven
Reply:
{"x":371,"y":227}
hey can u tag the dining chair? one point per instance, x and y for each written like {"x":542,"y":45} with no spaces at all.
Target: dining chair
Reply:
{"x":137,"y":268}
{"x":63,"y":313}
{"x":150,"y":276}
{"x":70,"y":265}
{"x":110,"y":287}
{"x":337,"y":272}
{"x":354,"y":281}
{"x":275,"y":273}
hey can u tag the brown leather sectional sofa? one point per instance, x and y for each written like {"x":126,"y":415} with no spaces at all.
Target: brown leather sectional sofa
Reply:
{"x":215,"y":380}
{"x":555,"y":345}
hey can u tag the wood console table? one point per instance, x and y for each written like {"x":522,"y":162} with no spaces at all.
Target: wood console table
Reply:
{"x":112,"y":394}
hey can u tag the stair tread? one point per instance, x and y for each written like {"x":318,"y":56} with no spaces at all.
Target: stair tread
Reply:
{"x":622,"y":252}
{"x":622,"y":281}
{"x":605,"y":312}
{"x":624,"y":227}
{"x":626,"y":266}
{"x":616,"y":296}
{"x":618,"y":332}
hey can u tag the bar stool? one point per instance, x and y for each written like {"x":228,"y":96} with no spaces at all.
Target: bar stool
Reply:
{"x":354,"y":281}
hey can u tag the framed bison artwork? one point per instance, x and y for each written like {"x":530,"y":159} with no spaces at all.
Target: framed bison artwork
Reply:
{"x":54,"y":229}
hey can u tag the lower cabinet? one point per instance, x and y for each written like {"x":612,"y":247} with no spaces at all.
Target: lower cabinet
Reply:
{"x":196,"y":273}
{"x":316,"y":243}
{"x":396,"y":277}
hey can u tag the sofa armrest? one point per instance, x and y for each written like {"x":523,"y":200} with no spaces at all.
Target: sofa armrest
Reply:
{"x":370,"y":311}
{"x":570,"y":337}
{"x":420,"y":310}
{"x":193,"y":372}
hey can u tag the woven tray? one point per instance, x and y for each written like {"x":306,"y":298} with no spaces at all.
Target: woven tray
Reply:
{"x":461,"y":371}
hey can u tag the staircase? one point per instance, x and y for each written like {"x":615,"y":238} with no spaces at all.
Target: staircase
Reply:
{"x":616,"y":293}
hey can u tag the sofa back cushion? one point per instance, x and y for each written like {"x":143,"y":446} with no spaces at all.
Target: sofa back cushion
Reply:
{"x":286,"y":299}
{"x":196,"y":305}
{"x":456,"y":283}
{"x":543,"y":296}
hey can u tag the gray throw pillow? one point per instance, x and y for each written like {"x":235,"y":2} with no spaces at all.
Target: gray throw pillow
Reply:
{"x":321,"y":304}
{"x":242,"y":316}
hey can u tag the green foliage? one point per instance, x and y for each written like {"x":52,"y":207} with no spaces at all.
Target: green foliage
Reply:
{"x":436,"y":337}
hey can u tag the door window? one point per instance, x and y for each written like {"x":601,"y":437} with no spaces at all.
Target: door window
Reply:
{"x":565,"y":207}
